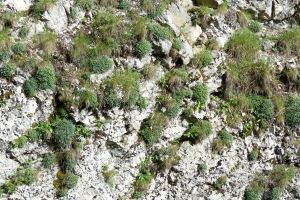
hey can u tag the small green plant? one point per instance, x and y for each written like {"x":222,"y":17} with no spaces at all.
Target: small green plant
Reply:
{"x":200,"y":94}
{"x":177,"y":44}
{"x":156,"y":13}
{"x":159,"y":32}
{"x":202,"y":167}
{"x":105,"y":166}
{"x":108,"y":177}
{"x":252,"y":156}
{"x":70,"y":180}
{"x":86,"y":97}
{"x":20,"y":142}
{"x":31,"y":87}
{"x":293,"y":112}
{"x":8,"y":70}
{"x":123,"y":5}
{"x":9,"y":188}
{"x":81,"y":130}
{"x":24,"y":32}
{"x":101,"y":64}
{"x":203,"y":58}
{"x":275,"y":194}
{"x":5,"y":54}
{"x":63,"y":133}
{"x":86,"y":4}
{"x":3,"y":102}
{"x":69,"y":160}
{"x":221,"y":181}
{"x":252,"y":194}
{"x":138,"y":195}
{"x":244,"y":44}
{"x":289,"y":41}
{"x":63,"y":192}
{"x":19,"y":48}
{"x":49,"y":160}
{"x":153,"y":127}
{"x":143,"y":48}
{"x":74,"y":13}
{"x":226,"y":137}
{"x":33,"y":135}
{"x":256,"y":27}
{"x":199,"y":131}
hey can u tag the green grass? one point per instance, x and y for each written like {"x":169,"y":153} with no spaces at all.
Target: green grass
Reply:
{"x":289,"y":41}
{"x":143,"y":48}
{"x":100,"y":64}
{"x":63,"y":133}
{"x":200,"y":94}
{"x":243,"y":45}
{"x":256,"y":27}
{"x":159,"y":32}
{"x":87,"y":98}
{"x":24,"y":32}
{"x":199,"y":131}
{"x":203,"y":58}
{"x":19,"y":48}
{"x":49,"y":160}
{"x":177,"y":44}
{"x":292,"y":114}
{"x":8,"y":70}
{"x":86,"y":4}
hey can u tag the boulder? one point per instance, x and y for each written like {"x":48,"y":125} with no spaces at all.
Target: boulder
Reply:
{"x":18,"y":5}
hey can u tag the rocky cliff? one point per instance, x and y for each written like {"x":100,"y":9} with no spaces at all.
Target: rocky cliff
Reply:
{"x":159,"y":99}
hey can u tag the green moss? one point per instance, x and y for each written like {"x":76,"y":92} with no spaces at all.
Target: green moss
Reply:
{"x":101,"y":64}
{"x":159,"y":32}
{"x":143,"y":48}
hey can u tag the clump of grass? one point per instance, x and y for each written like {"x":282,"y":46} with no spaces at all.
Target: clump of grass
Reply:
{"x":156,"y":13}
{"x":109,"y":176}
{"x":252,"y":156}
{"x":165,"y":157}
{"x":123,"y":89}
{"x":289,"y":41}
{"x":150,"y":71}
{"x":280,"y":108}
{"x":70,"y":180}
{"x":47,"y":42}
{"x":86,"y":97}
{"x":256,"y":27}
{"x":153,"y":127}
{"x":86,"y":4}
{"x":221,"y":181}
{"x":199,"y":131}
{"x":243,"y":45}
{"x":200,"y":94}
{"x":74,"y":13}
{"x":243,"y":18}
{"x":263,"y":108}
{"x":203,"y":58}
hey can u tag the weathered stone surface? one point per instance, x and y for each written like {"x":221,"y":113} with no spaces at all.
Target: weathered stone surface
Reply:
{"x":18,"y":5}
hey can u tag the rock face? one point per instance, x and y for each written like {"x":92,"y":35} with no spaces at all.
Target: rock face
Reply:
{"x":115,"y":138}
{"x":18,"y":5}
{"x":56,"y":17}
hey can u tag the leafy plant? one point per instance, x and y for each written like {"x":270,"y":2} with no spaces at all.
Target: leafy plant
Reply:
{"x":293,"y":112}
{"x":86,"y":4}
{"x":49,"y":160}
{"x":255,"y":27}
{"x":86,"y":97}
{"x":63,"y":133}
{"x":31,"y":87}
{"x":202,"y":167}
{"x":19,"y":48}
{"x":252,"y":194}
{"x":24,"y":32}
{"x":8,"y":70}
{"x":100,"y":64}
{"x":203,"y":58}
{"x":275,"y":194}
{"x":200,"y":94}
{"x":81,"y":130}
{"x":156,"y":13}
{"x":45,"y":77}
{"x":74,"y":13}
{"x":143,"y":48}
{"x":159,"y":32}
{"x":252,"y":156}
{"x":123,"y":5}
{"x":177,"y":44}
{"x":70,"y":180}
{"x":5,"y":54}
{"x":199,"y":131}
